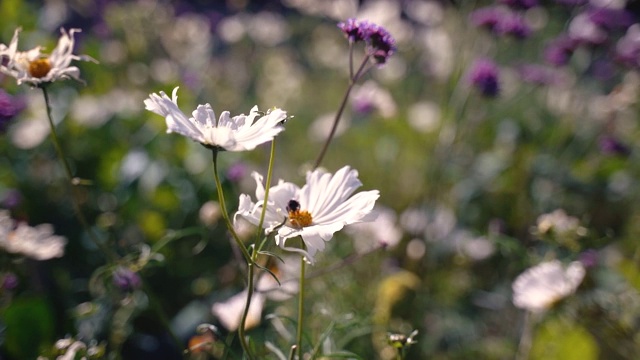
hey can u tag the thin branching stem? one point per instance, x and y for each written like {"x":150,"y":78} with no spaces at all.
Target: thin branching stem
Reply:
{"x":111,"y":255}
{"x":343,"y":104}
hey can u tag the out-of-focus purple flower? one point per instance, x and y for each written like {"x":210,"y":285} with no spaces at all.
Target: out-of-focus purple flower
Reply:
{"x":10,"y":281}
{"x":352,"y":29}
{"x":11,"y":198}
{"x":571,"y":2}
{"x":10,"y":106}
{"x":488,"y":17}
{"x":484,"y":74}
{"x":628,"y":47}
{"x":583,"y":30}
{"x":559,"y":51}
{"x":589,"y":258}
{"x":602,"y":69}
{"x":610,"y":18}
{"x":126,"y":280}
{"x":520,"y":4}
{"x":237,"y":172}
{"x":612,"y":146}
{"x":515,"y":26}
{"x":380,"y":44}
{"x":539,"y":74}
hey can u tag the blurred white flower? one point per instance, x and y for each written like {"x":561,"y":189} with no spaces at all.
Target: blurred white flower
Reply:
{"x":541,"y":286}
{"x":35,"y":67}
{"x":229,"y":312}
{"x":560,"y":227}
{"x":238,"y":133}
{"x":321,"y":127}
{"x":370,"y":96}
{"x":210,"y":212}
{"x":38,"y":242}
{"x":384,"y":231}
{"x":315,"y":212}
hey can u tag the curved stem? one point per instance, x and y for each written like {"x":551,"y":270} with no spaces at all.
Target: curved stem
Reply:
{"x":73,"y":181}
{"x":223,"y":208}
{"x":525,"y":339}
{"x":300,"y":308}
{"x":343,"y":104}
{"x":254,"y":254}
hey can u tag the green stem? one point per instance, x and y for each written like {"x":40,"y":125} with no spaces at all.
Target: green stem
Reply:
{"x":254,"y":254}
{"x":223,"y":208}
{"x":343,"y":104}
{"x":300,"y":308}
{"x":525,"y":339}
{"x":73,"y":181}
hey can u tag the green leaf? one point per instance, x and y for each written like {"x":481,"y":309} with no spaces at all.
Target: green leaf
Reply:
{"x":30,"y":327}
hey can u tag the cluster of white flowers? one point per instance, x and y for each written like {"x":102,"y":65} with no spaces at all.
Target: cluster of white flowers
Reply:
{"x":38,"y":242}
{"x":35,"y":67}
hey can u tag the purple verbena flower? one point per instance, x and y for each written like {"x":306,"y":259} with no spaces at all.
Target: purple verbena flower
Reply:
{"x":584,"y":31}
{"x":612,"y":146}
{"x":10,"y":281}
{"x":237,"y":172}
{"x":515,"y":26}
{"x":559,"y":51}
{"x":483,"y":74}
{"x":380,"y":44}
{"x":9,"y":107}
{"x":520,"y":4}
{"x":610,"y":18}
{"x":126,"y":280}
{"x":589,"y":258}
{"x":487,"y":17}
{"x":352,"y":29}
{"x":539,"y":74}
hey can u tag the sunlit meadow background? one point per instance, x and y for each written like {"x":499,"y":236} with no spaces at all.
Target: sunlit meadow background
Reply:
{"x":464,"y":174}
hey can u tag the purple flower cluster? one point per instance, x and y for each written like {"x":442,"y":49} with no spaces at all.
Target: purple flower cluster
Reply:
{"x":484,"y":74}
{"x":501,"y":21}
{"x":126,"y":280}
{"x":520,"y":4}
{"x":379,"y":43}
{"x":612,"y":146}
{"x":9,"y":108}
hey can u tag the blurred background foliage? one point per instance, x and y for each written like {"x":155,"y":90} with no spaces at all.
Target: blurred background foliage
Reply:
{"x":466,"y":175}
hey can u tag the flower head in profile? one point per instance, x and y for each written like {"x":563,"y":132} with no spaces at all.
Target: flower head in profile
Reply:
{"x":484,"y":75}
{"x":540,"y":287}
{"x":238,"y":133}
{"x":380,"y":45}
{"x":38,"y":242}
{"x":314,"y":212}
{"x":36,"y":67}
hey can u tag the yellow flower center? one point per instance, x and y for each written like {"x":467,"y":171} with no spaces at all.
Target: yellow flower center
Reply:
{"x":39,"y":68}
{"x":298,"y":218}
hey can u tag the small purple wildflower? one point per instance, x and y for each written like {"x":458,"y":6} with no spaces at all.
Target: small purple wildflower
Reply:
{"x":559,"y":51}
{"x":610,"y":18}
{"x":11,"y":198}
{"x":10,"y":281}
{"x":483,"y":74}
{"x":352,"y":29}
{"x":126,"y":280}
{"x":9,"y":107}
{"x":539,"y":74}
{"x":380,"y":44}
{"x":589,"y":258}
{"x":487,"y":17}
{"x":520,"y":4}
{"x":515,"y":26}
{"x":612,"y":146}
{"x":236,"y":172}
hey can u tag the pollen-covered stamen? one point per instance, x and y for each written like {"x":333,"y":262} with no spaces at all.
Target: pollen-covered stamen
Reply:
{"x":298,"y":218}
{"x":39,"y":68}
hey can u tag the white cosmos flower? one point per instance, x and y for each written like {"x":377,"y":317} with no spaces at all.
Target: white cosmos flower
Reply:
{"x":35,"y":67}
{"x":315,"y":212}
{"x":238,"y":133}
{"x":38,"y":242}
{"x":541,"y":286}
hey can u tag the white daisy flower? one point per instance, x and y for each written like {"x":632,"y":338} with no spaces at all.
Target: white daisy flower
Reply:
{"x":541,"y":286}
{"x":315,"y":212}
{"x":238,"y":133}
{"x":35,"y":67}
{"x":38,"y":242}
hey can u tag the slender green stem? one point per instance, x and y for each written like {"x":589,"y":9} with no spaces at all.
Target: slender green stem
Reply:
{"x":525,"y":339}
{"x":254,"y":254}
{"x":223,"y":208}
{"x":343,"y":104}
{"x":73,"y":181}
{"x":300,"y":308}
